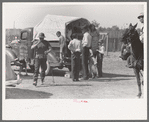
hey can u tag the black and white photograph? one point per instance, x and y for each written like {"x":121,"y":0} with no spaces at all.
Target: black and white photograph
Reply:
{"x":88,"y":59}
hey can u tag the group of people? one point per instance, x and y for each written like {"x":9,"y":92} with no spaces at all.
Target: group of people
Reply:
{"x":83,"y":52}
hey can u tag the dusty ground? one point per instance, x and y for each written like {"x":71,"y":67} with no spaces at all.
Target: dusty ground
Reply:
{"x":118,"y":82}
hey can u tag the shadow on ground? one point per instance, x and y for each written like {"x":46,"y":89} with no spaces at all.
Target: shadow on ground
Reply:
{"x":116,"y":75}
{"x":56,"y":72}
{"x":61,"y":73}
{"x":15,"y":93}
{"x":58,"y":84}
{"x":108,"y":80}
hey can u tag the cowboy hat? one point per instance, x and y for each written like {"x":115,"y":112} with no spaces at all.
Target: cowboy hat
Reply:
{"x":141,"y":15}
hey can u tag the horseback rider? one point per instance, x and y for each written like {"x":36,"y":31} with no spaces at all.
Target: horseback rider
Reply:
{"x":141,"y":19}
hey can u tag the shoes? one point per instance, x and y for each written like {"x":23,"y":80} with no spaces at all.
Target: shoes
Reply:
{"x":35,"y":83}
{"x":85,"y":78}
{"x":42,"y":81}
{"x":75,"y":80}
{"x":93,"y":76}
{"x":99,"y":76}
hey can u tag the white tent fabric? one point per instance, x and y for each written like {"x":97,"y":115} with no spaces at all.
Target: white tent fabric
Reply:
{"x":51,"y":24}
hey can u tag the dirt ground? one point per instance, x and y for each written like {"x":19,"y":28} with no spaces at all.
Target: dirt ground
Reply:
{"x":118,"y":82}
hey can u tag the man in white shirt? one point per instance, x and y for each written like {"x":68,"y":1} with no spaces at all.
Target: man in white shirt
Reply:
{"x":86,"y":45}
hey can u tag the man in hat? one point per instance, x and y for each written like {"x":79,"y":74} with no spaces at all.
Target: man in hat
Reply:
{"x":86,"y":45}
{"x":141,"y":19}
{"x":41,"y":48}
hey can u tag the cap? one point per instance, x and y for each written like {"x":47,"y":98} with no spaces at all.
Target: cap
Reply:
{"x":41,"y":35}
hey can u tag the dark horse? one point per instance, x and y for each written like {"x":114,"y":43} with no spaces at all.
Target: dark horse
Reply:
{"x":131,"y":36}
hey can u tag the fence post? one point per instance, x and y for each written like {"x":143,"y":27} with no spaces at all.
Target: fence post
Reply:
{"x":107,"y":43}
{"x":114,"y":44}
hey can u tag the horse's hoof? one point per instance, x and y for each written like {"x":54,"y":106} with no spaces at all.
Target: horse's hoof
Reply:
{"x":139,"y":95}
{"x":143,"y":83}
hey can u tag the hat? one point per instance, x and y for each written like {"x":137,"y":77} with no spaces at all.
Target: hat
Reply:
{"x":41,"y":35}
{"x":141,"y":15}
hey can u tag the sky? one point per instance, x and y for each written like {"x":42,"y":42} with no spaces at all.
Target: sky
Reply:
{"x":22,"y":15}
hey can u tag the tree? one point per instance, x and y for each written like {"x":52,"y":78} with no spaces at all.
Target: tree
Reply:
{"x":115,"y":27}
{"x":95,"y":23}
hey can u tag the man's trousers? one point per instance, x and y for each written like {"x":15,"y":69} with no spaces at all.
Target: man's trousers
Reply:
{"x":85,"y":59}
{"x":40,"y":62}
{"x":75,"y":64}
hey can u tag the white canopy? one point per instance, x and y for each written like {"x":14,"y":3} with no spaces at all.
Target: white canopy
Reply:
{"x":51,"y":24}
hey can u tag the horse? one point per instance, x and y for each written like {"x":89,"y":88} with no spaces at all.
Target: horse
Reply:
{"x":131,"y":37}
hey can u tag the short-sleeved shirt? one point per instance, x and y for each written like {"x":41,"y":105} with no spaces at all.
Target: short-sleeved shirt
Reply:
{"x":41,"y":48}
{"x":75,"y":45}
{"x":95,"y":40}
{"x":101,"y":49}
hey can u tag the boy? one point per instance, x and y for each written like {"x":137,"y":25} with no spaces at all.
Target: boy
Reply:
{"x":100,"y":57}
{"x":75,"y":48}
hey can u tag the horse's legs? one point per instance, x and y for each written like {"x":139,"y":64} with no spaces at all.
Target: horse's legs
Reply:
{"x":142,"y":76}
{"x":136,"y":71}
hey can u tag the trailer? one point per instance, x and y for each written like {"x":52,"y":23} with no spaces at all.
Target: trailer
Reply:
{"x":21,"y":49}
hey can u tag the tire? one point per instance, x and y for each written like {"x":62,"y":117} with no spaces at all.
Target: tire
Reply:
{"x":48,"y":69}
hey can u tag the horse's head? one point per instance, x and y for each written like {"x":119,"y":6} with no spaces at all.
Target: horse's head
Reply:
{"x":130,"y":34}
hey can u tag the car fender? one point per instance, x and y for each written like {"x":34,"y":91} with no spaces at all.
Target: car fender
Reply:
{"x":11,"y":54}
{"x":51,"y":57}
